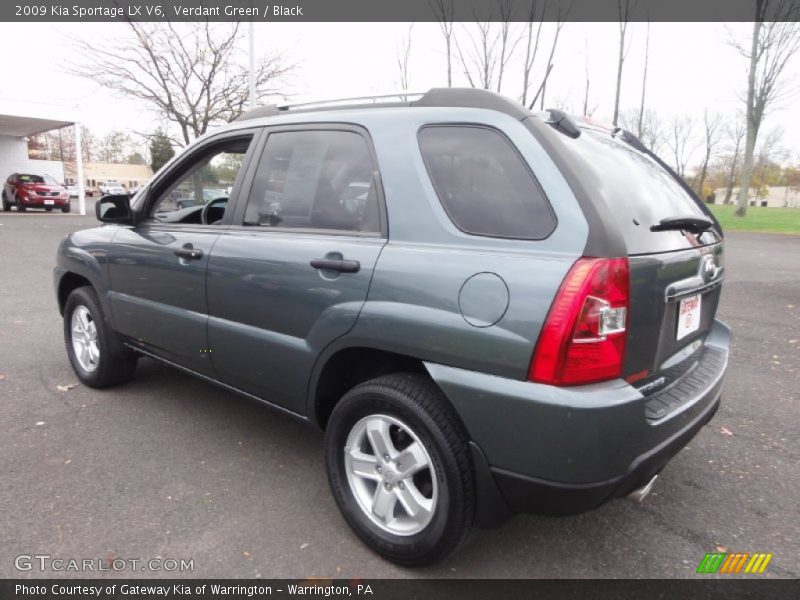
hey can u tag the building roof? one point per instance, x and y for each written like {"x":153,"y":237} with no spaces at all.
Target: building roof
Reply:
{"x":21,"y":119}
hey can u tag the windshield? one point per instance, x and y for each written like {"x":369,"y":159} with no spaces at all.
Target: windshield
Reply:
{"x":31,"y":179}
{"x":50,"y":180}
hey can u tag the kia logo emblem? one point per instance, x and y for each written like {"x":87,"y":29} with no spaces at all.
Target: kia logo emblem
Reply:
{"x":709,"y":268}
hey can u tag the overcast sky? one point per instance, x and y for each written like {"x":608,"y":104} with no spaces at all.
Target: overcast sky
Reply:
{"x":692,"y":67}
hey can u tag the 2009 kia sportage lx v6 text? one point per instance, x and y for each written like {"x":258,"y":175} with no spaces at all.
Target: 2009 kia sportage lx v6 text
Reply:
{"x":487,"y":310}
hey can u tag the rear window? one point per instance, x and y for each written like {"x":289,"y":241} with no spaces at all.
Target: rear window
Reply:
{"x":483,"y":183}
{"x":637,"y":190}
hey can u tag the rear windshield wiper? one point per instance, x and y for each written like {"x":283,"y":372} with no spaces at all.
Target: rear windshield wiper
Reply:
{"x":691,"y":223}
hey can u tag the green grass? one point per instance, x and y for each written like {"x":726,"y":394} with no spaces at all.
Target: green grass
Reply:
{"x":758,"y":218}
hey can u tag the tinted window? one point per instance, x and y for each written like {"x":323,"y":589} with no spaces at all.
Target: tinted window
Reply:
{"x":315,"y":180}
{"x":637,"y":190}
{"x":483,"y":183}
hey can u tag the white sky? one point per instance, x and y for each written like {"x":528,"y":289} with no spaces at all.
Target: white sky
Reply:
{"x":692,"y":67}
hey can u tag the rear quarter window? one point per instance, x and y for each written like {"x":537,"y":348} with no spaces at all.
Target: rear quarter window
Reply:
{"x":483,"y":183}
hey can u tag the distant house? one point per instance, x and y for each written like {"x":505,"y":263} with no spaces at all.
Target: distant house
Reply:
{"x":773,"y":197}
{"x":95,"y":173}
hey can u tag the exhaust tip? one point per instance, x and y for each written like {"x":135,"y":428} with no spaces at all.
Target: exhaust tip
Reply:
{"x":638,"y":495}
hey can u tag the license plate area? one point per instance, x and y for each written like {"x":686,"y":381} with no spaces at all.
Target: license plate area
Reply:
{"x":49,"y":202}
{"x":689,"y":316}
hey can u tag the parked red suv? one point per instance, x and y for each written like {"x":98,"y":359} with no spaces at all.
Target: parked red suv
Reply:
{"x":34,"y":191}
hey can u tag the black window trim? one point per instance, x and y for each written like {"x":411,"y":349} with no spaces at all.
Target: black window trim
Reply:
{"x":177,"y":169}
{"x":237,"y":223}
{"x":524,"y":162}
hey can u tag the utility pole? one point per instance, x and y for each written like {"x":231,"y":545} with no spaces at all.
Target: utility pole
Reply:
{"x":252,"y":66}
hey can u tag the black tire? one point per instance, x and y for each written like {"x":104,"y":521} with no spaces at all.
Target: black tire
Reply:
{"x":48,"y":209}
{"x":416,"y":402}
{"x":6,"y":204}
{"x":66,"y":209}
{"x":116,"y":364}
{"x":20,"y":205}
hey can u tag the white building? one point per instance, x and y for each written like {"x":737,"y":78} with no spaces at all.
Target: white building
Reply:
{"x":18,"y":121}
{"x":774,"y":197}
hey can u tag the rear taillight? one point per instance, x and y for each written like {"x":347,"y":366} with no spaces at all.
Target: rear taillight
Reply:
{"x":583,"y":338}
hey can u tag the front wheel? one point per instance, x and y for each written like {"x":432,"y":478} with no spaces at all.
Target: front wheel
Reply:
{"x":20,"y":205}
{"x":6,"y":203}
{"x":65,"y":209}
{"x":400,"y":470}
{"x":97,"y":357}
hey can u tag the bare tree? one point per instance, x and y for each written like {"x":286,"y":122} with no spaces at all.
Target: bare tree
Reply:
{"x":775,"y":39}
{"x":403,"y":56}
{"x":188,"y":73}
{"x":653,"y":134}
{"x":480,"y":60}
{"x":712,"y":133}
{"x":535,"y":15}
{"x":624,"y":8}
{"x":680,"y":142}
{"x":508,"y":40}
{"x":735,"y":133}
{"x":587,"y":110}
{"x":114,"y":147}
{"x":766,"y":170}
{"x":640,"y":128}
{"x":443,"y":10}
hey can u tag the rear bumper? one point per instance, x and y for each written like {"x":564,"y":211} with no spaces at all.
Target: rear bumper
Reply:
{"x":563,"y":451}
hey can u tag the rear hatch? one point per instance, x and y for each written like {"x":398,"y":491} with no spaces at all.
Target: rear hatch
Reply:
{"x":675,"y":273}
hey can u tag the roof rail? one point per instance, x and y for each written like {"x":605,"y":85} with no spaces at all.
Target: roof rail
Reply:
{"x":401,"y":96}
{"x":435,"y":97}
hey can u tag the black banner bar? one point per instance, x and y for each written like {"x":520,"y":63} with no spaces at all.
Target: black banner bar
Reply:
{"x":463,"y":589}
{"x":391,"y":10}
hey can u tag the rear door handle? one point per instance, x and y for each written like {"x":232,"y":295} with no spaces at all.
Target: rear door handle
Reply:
{"x":343,"y":266}
{"x":189,"y":252}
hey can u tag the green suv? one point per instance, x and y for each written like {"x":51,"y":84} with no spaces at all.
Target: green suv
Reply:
{"x":487,"y":310}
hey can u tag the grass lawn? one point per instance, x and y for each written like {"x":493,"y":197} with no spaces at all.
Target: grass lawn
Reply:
{"x":766,"y":220}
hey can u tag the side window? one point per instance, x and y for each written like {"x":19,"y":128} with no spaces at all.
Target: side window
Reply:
{"x":483,"y":183}
{"x":203,"y":182}
{"x":315,"y":180}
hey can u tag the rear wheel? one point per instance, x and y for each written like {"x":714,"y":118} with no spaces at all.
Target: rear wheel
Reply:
{"x":20,"y":205}
{"x":400,"y":470}
{"x":97,"y":357}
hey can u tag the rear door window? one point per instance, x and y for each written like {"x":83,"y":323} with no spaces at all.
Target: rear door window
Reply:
{"x":483,"y":183}
{"x":317,"y":180}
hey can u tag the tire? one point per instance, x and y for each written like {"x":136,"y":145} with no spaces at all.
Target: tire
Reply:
{"x":403,"y":410}
{"x":20,"y":205}
{"x":66,"y":209}
{"x":114,"y":364}
{"x":6,"y":204}
{"x":48,"y":209}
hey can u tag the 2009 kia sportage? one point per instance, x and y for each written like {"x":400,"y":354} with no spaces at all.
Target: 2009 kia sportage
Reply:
{"x":488,"y":310}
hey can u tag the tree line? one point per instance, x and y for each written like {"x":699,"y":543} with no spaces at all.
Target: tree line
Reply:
{"x":192,"y":76}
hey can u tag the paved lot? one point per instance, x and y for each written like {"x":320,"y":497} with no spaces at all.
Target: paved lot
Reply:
{"x":171,"y":467}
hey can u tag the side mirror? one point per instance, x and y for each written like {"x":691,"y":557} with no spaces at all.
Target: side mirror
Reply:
{"x":115,"y":208}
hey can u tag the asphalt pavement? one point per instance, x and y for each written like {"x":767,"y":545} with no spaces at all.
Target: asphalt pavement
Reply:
{"x":169,"y":467}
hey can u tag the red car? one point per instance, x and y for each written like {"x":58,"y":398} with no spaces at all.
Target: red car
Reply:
{"x":34,"y":191}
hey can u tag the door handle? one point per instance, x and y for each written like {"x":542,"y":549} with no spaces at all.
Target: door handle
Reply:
{"x":343,"y":266}
{"x":188,"y":252}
